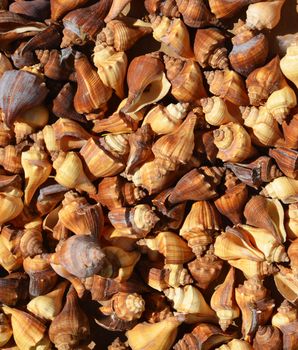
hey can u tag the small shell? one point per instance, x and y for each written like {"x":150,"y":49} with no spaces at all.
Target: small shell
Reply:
{"x":209,"y":48}
{"x":205,"y":269}
{"x":71,"y":326}
{"x":286,"y":282}
{"x":80,"y":217}
{"x":28,"y":331}
{"x":233,"y":143}
{"x":264,"y":15}
{"x":111,"y":67}
{"x":31,"y":242}
{"x":134,"y":222}
{"x":5,"y":330}
{"x":282,"y":188}
{"x":37,"y":169}
{"x":70,"y":172}
{"x":268,"y":214}
{"x":280,"y":102}
{"x":151,"y":69}
{"x":188,"y":300}
{"x":170,"y":245}
{"x":90,"y":259}
{"x":91,"y":93}
{"x":60,"y":7}
{"x":290,"y":133}
{"x":288,"y":63}
{"x":201,"y":336}
{"x":266,"y":336}
{"x":263,"y":81}
{"x":166,"y":119}
{"x":228,"y":85}
{"x":49,"y":305}
{"x":14,"y":288}
{"x":156,"y":336}
{"x":121,"y":34}
{"x":216,"y":111}
{"x":287,"y":160}
{"x":186,"y":80}
{"x":249,"y":52}
{"x":227,"y":8}
{"x":173,"y":34}
{"x":13,"y":101}
{"x":110,"y":152}
{"x":231,"y":204}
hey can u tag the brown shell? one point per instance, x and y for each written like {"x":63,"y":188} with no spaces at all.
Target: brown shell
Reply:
{"x":166,"y":8}
{"x":5,"y":64}
{"x":117,"y":7}
{"x":31,"y":242}
{"x":14,"y":288}
{"x":228,"y":85}
{"x":91,"y":93}
{"x":48,"y":198}
{"x":60,"y":7}
{"x":14,"y":100}
{"x":262,"y":81}
{"x":84,"y":24}
{"x":10,"y":158}
{"x":227,"y":8}
{"x":290,"y":132}
{"x":36,"y":9}
{"x":249,"y":52}
{"x":287,"y":160}
{"x":71,"y":326}
{"x":266,"y":336}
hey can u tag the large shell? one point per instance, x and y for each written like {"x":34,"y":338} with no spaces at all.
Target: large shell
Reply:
{"x":262,"y":81}
{"x":266,"y":336}
{"x":14,"y":288}
{"x":227,"y":8}
{"x":249,"y":52}
{"x":36,"y":9}
{"x":60,"y":7}
{"x":282,"y":188}
{"x":151,"y":70}
{"x":228,"y":85}
{"x":13,"y":99}
{"x":91,"y":93}
{"x":209,"y":48}
{"x":71,"y":326}
{"x":288,"y":63}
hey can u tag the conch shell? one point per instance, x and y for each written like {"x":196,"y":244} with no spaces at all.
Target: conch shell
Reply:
{"x":288,"y":63}
{"x":282,"y":188}
{"x":227,"y":8}
{"x":216,"y":111}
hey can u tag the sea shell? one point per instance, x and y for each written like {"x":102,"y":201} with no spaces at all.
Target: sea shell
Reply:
{"x":89,"y":261}
{"x":60,"y":7}
{"x":42,"y":277}
{"x":282,"y":188}
{"x":118,"y":7}
{"x":287,"y":160}
{"x":5,"y":64}
{"x":226,"y":8}
{"x":288,"y":63}
{"x":280,"y":102}
{"x":186,"y":80}
{"x":48,"y":306}
{"x":228,"y":85}
{"x":255,"y":305}
{"x":268,"y":214}
{"x":13,"y":101}
{"x":10,"y":158}
{"x":157,"y":308}
{"x":233,"y":143}
{"x":188,"y":300}
{"x":249,"y":52}
{"x":286,"y":281}
{"x":31,"y":242}
{"x":80,"y":217}
{"x":122,"y":34}
{"x":209,"y":48}
{"x":289,"y":131}
{"x":155,"y":336}
{"x":195,"y":13}
{"x":70,"y":172}
{"x":28,"y":331}
{"x":111,"y":67}
{"x":223,"y":301}
{"x":36,"y":9}
{"x":266,"y":336}
{"x":205,"y":269}
{"x":236,"y":344}
{"x":71,"y":326}
{"x":82,"y":25}
{"x":11,"y":257}
{"x":291,"y":221}
{"x":203,"y":335}
{"x":14,"y":288}
{"x":5,"y":329}
{"x":252,"y":268}
{"x":91,"y":93}
{"x":285,"y":41}
{"x":166,"y":8}
{"x":216,"y":111}
{"x":262,"y":81}
{"x":6,"y":134}
{"x":151,"y":88}
{"x":134,"y":222}
{"x":49,"y":197}
{"x":293,"y":256}
{"x":173,"y":34}
{"x":170,"y":245}
{"x":265,"y":130}
{"x":166,"y":119}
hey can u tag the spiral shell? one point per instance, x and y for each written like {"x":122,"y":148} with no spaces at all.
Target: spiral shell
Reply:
{"x":267,"y":335}
{"x":282,"y":188}
{"x":288,"y":64}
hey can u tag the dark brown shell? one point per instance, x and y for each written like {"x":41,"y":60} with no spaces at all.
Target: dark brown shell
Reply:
{"x":60,"y":7}
{"x":19,"y":91}
{"x":287,"y":160}
{"x":14,"y":288}
{"x":36,"y":9}
{"x":21,"y":59}
{"x":268,"y":338}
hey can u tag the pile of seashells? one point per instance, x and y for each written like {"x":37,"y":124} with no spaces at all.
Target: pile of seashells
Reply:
{"x":149,"y":175}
